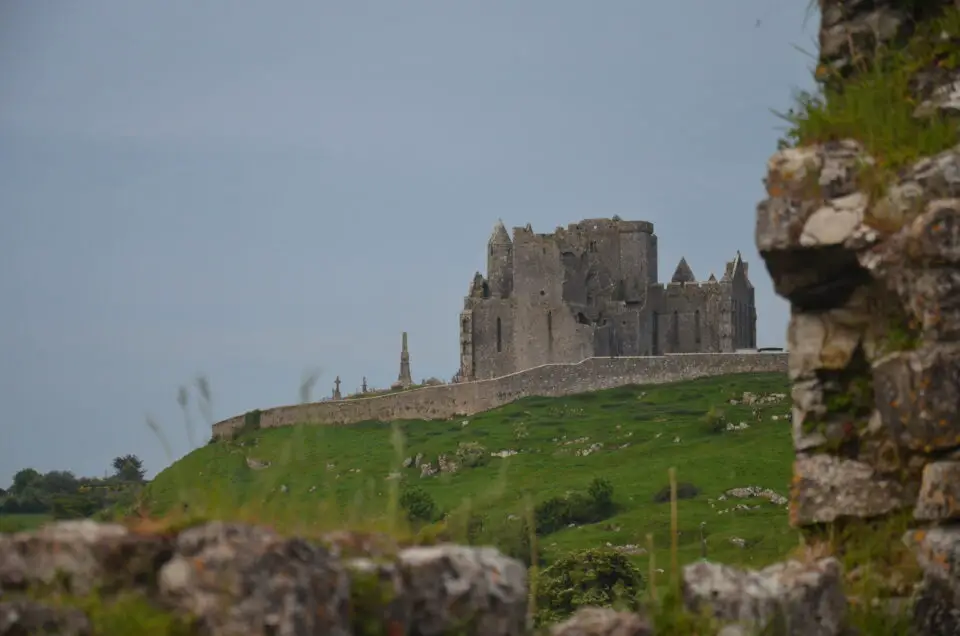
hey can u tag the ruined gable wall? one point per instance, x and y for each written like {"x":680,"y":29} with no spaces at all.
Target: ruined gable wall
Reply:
{"x":554,"y":380}
{"x":693,"y":303}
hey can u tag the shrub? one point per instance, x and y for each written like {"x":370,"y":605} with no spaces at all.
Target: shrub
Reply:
{"x":472,"y":454}
{"x":419,"y":505}
{"x":684,"y":491}
{"x":576,"y":508}
{"x":595,"y":577}
{"x":715,"y":421}
{"x":511,"y":537}
{"x":601,"y":491}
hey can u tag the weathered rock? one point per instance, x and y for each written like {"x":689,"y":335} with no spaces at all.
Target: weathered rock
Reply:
{"x":22,"y":618}
{"x":232,"y":579}
{"x":81,"y":556}
{"x":939,"y":497}
{"x":826,"y":488}
{"x":597,"y":621}
{"x":937,"y":606}
{"x":379,"y":602}
{"x":935,"y":610}
{"x":242,"y":580}
{"x":812,"y":209}
{"x":938,"y":91}
{"x":850,"y":28}
{"x":797,"y":598}
{"x":459,"y":587}
{"x":917,"y":393}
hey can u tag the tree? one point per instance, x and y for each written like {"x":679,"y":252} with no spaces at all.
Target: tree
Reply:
{"x":59,"y":482}
{"x":128,"y":468}
{"x":23,"y":480}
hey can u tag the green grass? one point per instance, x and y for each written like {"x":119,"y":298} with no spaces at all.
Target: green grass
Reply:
{"x":875,"y":106}
{"x":337,"y":476}
{"x":18,"y":522}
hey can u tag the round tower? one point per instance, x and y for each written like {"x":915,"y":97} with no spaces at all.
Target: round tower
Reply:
{"x":500,"y":262}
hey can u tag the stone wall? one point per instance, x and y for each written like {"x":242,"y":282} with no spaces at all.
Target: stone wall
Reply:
{"x":861,"y":233}
{"x":551,"y":380}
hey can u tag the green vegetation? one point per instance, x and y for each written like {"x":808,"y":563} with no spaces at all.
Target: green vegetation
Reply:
{"x":597,"y":577}
{"x":35,"y":497}
{"x":876,"y":105}
{"x":320,"y":477}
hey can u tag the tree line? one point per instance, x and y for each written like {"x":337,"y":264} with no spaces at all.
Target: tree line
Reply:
{"x":63,"y":495}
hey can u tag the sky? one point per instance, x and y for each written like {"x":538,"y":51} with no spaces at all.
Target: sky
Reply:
{"x":256,"y":192}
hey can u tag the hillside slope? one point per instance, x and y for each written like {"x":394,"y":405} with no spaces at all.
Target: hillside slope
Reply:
{"x":327,"y":476}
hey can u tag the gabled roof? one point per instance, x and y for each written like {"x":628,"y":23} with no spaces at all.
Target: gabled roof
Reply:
{"x":734,"y":267}
{"x":683,"y":273}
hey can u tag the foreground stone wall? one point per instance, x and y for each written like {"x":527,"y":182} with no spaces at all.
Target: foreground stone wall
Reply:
{"x":81,"y":578}
{"x":868,"y":254}
{"x":550,"y":380}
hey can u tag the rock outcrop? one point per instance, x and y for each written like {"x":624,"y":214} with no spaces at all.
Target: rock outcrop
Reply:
{"x":867,"y":251}
{"x":239,"y":580}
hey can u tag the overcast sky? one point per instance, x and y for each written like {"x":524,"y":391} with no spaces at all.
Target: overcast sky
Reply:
{"x":251,"y":190}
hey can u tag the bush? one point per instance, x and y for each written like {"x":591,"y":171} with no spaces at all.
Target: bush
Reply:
{"x":715,"y":421}
{"x":596,"y":577}
{"x":601,"y":491}
{"x":684,"y":491}
{"x":472,"y":454}
{"x":511,"y":537}
{"x":576,"y":508}
{"x":419,"y":505}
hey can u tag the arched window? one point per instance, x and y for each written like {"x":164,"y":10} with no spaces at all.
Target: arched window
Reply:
{"x":696,"y":326}
{"x":499,"y":337}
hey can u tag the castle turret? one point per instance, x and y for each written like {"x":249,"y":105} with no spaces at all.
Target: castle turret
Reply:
{"x":500,"y":262}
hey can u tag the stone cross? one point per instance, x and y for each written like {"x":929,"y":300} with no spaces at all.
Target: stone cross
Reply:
{"x":405,"y":379}
{"x":336,"y":390}
{"x":364,"y":385}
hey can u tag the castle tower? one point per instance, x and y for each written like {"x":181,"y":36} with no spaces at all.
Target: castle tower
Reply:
{"x":405,"y":378}
{"x":500,"y":262}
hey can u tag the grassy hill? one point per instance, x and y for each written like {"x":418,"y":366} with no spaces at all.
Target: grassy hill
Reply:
{"x":327,"y":477}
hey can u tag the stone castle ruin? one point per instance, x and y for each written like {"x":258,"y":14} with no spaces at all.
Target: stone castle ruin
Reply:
{"x":593,"y":290}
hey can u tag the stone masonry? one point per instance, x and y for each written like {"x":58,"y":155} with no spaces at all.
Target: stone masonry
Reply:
{"x":592,"y":290}
{"x":549,"y":380}
{"x":873,"y":279}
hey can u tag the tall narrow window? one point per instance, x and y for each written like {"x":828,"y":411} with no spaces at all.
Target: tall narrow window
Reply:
{"x":736,"y":325}
{"x":655,"y":335}
{"x":550,"y":331}
{"x":696,"y":327}
{"x":675,"y":329}
{"x":499,"y":337}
